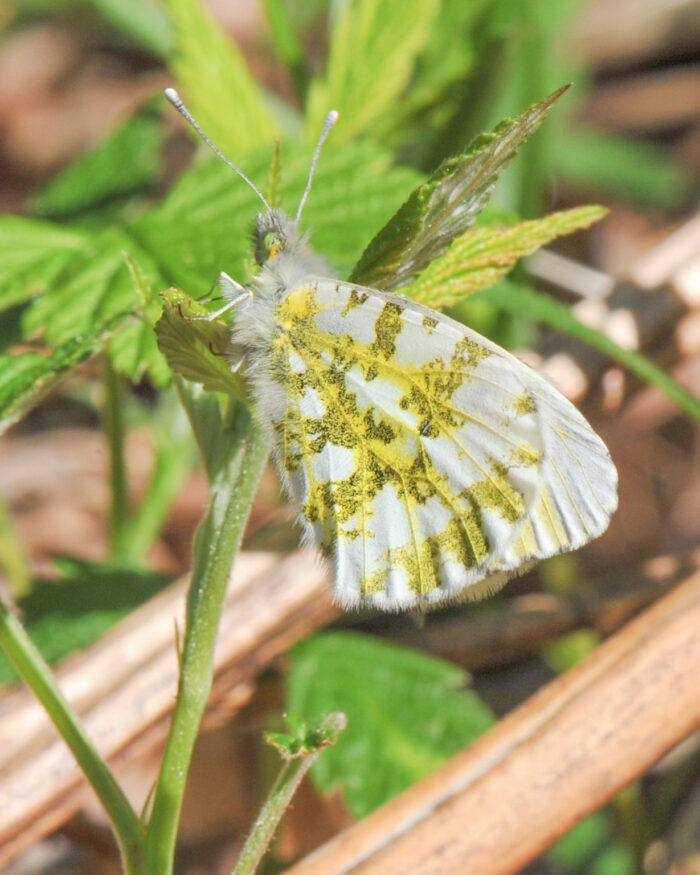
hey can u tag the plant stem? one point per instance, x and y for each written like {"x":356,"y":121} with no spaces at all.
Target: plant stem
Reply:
{"x":286,"y":785}
{"x":114,"y":428}
{"x":170,"y":467}
{"x":38,"y":677}
{"x":13,"y":558}
{"x":233,"y":483}
{"x":173,"y":460}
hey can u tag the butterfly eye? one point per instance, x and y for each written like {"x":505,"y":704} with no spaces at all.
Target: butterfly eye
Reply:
{"x":272,"y":243}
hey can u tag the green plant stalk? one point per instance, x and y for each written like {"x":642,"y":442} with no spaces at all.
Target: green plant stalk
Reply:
{"x":532,"y":51}
{"x":171,"y":465}
{"x":114,"y":428}
{"x":290,"y":776}
{"x":38,"y":677}
{"x":286,"y":785}
{"x":218,"y":537}
{"x":13,"y":559}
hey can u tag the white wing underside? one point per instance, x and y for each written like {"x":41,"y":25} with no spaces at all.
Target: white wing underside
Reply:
{"x":429,"y":461}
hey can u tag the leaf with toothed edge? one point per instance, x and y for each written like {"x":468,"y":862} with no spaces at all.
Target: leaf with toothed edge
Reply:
{"x":446,"y":205}
{"x":407,"y":713}
{"x":26,"y":378}
{"x":481,"y":256}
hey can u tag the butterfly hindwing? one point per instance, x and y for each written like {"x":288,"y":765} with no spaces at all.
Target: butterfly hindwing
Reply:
{"x":424,"y":457}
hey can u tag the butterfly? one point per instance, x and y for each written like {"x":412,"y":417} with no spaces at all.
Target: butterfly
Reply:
{"x":427,"y":462}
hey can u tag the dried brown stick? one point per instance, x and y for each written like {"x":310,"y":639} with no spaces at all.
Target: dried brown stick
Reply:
{"x":124,"y":686}
{"x":558,"y":757}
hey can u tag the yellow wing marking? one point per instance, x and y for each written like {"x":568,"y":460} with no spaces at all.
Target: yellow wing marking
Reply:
{"x":328,"y":540}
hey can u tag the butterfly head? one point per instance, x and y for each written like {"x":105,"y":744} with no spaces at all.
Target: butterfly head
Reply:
{"x":274,"y":234}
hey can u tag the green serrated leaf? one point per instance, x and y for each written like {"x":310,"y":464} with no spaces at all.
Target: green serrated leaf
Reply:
{"x":287,"y":43}
{"x":446,"y":59}
{"x":639,"y":172}
{"x":34,"y":255}
{"x":479,"y":258}
{"x":373,"y":47}
{"x":133,"y":352}
{"x":528,"y":304}
{"x":65,"y":616}
{"x":96,"y":288}
{"x":142,"y":20}
{"x":26,"y":378}
{"x":305,"y":738}
{"x":446,"y":205}
{"x":82,"y":289}
{"x":124,"y":163}
{"x":407,"y":713}
{"x":216,"y":83}
{"x":196,"y":349}
{"x":134,"y":349}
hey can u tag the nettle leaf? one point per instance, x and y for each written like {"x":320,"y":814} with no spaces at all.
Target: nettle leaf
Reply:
{"x":369,"y":64}
{"x":143,"y":20}
{"x":34,"y":254}
{"x":446,"y":205}
{"x":203,"y":226}
{"x":305,"y":739}
{"x":133,"y":350}
{"x":91,"y":292}
{"x":196,"y":349}
{"x":97,"y":287}
{"x":27,"y":377}
{"x":407,"y":713}
{"x":124,"y":163}
{"x":447,"y":58}
{"x":218,"y":87}
{"x":479,"y":258}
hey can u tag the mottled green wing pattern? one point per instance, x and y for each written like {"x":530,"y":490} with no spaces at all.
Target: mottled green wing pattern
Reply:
{"x":446,"y":205}
{"x":426,"y":460}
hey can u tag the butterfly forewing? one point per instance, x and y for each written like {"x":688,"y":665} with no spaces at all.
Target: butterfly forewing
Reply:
{"x":424,"y":457}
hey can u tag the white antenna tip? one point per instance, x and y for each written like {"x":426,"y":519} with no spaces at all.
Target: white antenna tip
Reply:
{"x":173,"y":96}
{"x":332,"y":115}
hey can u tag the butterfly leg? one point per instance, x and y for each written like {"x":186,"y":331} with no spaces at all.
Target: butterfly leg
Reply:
{"x":236,"y":366}
{"x":235,"y":292}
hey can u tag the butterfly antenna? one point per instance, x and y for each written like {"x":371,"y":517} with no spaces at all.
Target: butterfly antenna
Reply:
{"x":331,"y":119}
{"x":179,"y":105}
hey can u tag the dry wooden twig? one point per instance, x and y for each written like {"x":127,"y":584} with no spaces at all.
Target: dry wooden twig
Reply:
{"x":124,"y":686}
{"x":547,"y":765}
